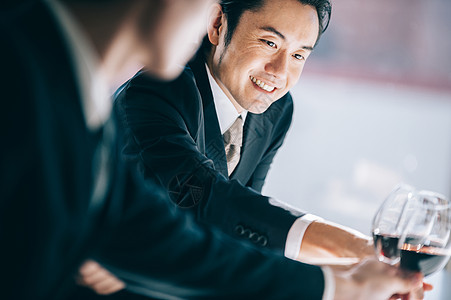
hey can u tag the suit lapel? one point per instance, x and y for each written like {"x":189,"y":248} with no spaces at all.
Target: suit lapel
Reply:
{"x":255,"y":129}
{"x":213,"y":138}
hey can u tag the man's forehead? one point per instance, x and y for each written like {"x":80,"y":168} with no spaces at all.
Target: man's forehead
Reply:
{"x":293,"y":22}
{"x":287,"y":10}
{"x":274,"y":6}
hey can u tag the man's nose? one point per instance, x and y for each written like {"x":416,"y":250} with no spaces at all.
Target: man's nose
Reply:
{"x":278,"y":65}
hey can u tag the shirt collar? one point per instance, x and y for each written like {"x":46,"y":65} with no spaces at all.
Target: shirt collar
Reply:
{"x":225,"y":110}
{"x":96,"y":98}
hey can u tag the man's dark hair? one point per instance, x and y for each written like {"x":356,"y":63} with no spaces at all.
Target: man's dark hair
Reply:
{"x":233,"y":9}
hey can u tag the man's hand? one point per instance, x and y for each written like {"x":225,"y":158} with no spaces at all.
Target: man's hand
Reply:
{"x":417,"y":294}
{"x":94,"y":276}
{"x":373,"y":280}
{"x":324,"y":239}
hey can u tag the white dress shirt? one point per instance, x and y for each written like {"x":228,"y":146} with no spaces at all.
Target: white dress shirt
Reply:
{"x":225,"y":110}
{"x":227,"y":114}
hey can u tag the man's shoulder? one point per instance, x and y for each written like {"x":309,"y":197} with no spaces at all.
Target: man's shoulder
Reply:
{"x":184,"y":84}
{"x":285,"y":101}
{"x":281,"y":108}
{"x":180,"y":94}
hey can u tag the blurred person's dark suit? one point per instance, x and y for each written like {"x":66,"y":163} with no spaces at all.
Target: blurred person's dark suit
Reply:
{"x":172,"y":133}
{"x":66,"y":196}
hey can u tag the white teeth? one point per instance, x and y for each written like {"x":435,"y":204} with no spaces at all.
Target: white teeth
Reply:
{"x":262,"y":85}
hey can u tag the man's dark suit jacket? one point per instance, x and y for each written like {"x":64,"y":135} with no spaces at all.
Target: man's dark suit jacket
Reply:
{"x":172,"y":132}
{"x":50,"y":221}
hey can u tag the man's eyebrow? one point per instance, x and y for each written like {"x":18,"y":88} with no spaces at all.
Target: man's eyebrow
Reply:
{"x":273,"y":30}
{"x":279,"y":34}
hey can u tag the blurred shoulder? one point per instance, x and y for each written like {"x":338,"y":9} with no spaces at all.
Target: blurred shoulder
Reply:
{"x":145,"y":90}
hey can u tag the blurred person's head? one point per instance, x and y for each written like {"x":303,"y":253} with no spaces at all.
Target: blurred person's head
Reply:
{"x":256,"y":49}
{"x":159,"y":34}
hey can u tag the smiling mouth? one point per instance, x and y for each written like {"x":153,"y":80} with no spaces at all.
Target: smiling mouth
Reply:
{"x":261,"y":84}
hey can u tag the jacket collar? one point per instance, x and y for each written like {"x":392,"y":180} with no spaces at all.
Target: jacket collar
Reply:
{"x":214,"y":142}
{"x":253,"y":132}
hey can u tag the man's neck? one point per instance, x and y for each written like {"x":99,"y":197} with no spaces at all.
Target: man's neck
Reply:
{"x":211,"y":67}
{"x":225,"y":111}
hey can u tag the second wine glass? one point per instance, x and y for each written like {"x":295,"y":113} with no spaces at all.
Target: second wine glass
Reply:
{"x":425,"y":243}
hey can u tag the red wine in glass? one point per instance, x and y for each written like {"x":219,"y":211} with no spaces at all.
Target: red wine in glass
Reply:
{"x":413,"y":257}
{"x":387,"y":247}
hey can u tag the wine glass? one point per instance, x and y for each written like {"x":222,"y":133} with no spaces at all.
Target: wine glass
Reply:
{"x":425,"y":243}
{"x":389,"y":222}
{"x":412,"y":229}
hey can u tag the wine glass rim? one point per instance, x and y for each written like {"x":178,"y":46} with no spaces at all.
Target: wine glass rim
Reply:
{"x":413,"y":191}
{"x":433,"y":194}
{"x":440,"y":203}
{"x":434,"y":206}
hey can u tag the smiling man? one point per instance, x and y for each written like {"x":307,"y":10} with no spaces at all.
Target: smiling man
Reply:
{"x":213,"y":152}
{"x":257,"y":61}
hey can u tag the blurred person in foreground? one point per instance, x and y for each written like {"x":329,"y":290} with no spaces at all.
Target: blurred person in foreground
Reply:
{"x":66,"y":195}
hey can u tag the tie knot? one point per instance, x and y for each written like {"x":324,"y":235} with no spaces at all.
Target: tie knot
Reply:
{"x":233,"y":139}
{"x":234,"y":135}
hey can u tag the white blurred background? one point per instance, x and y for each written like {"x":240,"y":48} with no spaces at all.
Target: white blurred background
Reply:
{"x":372,"y":109}
{"x":352,"y":141}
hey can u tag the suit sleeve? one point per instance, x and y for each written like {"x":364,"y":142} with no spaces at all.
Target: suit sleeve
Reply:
{"x":162,"y":125}
{"x":282,"y":111}
{"x":161,"y":252}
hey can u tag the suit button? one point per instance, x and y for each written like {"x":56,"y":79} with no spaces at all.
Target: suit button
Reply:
{"x":254,"y":237}
{"x":247,"y":233}
{"x":262,"y":240}
{"x":239,"y":230}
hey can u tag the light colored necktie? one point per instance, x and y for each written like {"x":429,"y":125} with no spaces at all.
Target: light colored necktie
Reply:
{"x":233,"y":139}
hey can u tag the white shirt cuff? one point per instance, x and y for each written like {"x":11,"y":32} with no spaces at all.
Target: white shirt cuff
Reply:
{"x":329,"y":284}
{"x":296,"y":234}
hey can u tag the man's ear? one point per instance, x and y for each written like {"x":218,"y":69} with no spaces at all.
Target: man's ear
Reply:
{"x":215,"y":25}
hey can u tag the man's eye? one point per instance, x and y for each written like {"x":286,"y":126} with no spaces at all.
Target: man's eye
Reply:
{"x":298,"y":56}
{"x":269,"y":43}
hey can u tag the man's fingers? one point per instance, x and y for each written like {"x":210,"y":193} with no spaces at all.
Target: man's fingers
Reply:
{"x":108,"y":286}
{"x":413,"y":283}
{"x":417,"y":294}
{"x":427,"y":286}
{"x":414,"y":280}
{"x":89,"y":267}
{"x":94,"y":276}
{"x":393,"y":280}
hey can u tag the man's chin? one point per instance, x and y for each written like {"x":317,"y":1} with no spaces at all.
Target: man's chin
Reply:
{"x":258,"y":107}
{"x":261,"y":102}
